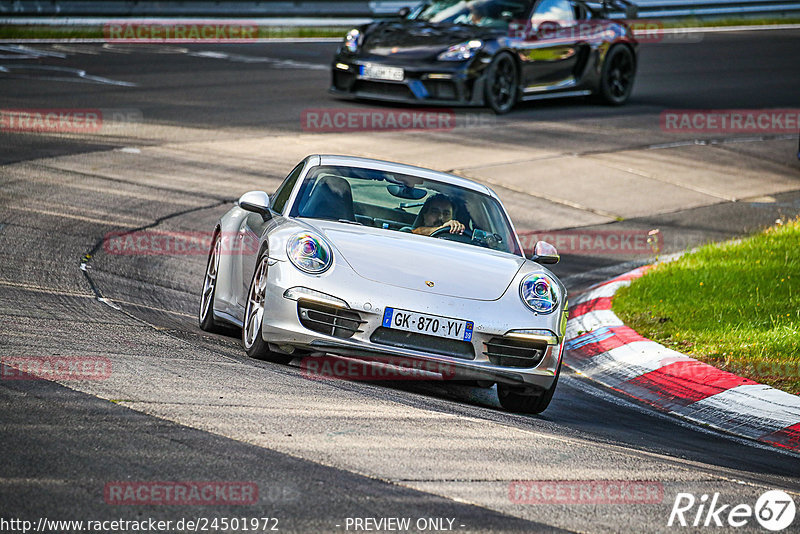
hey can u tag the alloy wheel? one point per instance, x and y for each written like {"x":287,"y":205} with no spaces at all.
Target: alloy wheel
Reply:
{"x":254,"y":313}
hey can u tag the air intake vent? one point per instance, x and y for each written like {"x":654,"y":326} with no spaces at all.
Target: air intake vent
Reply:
{"x":513,"y":352}
{"x":328,"y":320}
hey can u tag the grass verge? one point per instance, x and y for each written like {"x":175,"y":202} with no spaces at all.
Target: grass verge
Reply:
{"x":733,"y":305}
{"x":715,"y":22}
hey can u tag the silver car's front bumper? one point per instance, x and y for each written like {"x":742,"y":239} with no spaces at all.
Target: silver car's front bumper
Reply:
{"x":282,"y":327}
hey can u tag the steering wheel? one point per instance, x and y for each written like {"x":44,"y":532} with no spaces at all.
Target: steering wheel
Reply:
{"x":444,"y":233}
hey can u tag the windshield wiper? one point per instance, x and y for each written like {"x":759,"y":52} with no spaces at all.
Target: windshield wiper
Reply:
{"x":351,"y":222}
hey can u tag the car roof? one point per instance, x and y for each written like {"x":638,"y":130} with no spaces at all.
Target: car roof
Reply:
{"x":389,"y":166}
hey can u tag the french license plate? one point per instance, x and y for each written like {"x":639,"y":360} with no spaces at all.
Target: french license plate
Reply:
{"x":382,"y":72}
{"x":432,"y":325}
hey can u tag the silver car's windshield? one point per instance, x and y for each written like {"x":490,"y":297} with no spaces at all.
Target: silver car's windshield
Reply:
{"x":487,"y":13}
{"x":401,"y":202}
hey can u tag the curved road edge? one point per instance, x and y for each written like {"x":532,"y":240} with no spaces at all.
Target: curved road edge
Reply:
{"x":602,"y":348}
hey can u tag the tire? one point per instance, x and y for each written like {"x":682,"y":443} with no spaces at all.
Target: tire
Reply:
{"x":205,"y":314}
{"x":501,"y":89}
{"x":522,"y":401}
{"x":617,"y":77}
{"x":253,"y":341}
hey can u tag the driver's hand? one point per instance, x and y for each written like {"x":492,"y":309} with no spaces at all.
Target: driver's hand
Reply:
{"x":455,"y":226}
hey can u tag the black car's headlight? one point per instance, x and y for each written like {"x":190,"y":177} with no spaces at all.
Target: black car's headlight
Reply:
{"x":309,"y":252}
{"x":539,"y":292}
{"x":461,"y":51}
{"x":351,"y":40}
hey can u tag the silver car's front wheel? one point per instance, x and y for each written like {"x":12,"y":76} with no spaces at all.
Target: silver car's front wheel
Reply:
{"x":253,"y":341}
{"x":206,"y":315}
{"x":255,"y":305}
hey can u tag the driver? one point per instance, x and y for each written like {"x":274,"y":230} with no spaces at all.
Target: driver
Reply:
{"x":436,"y":213}
{"x":475,"y":15}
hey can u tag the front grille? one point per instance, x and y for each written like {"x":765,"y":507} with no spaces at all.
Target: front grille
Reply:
{"x":512,"y":352}
{"x":385,"y":89}
{"x":328,"y":320}
{"x":424,"y":343}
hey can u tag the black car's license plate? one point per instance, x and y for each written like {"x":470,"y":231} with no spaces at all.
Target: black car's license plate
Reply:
{"x":382,"y":72}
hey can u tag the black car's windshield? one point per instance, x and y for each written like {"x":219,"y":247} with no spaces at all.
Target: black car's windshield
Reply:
{"x":486,"y":13}
{"x":402,"y":203}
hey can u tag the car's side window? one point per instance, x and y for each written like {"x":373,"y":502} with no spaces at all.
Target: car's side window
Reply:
{"x":558,"y":11}
{"x":285,"y":190}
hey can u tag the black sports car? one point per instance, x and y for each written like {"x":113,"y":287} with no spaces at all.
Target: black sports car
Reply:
{"x":490,"y":53}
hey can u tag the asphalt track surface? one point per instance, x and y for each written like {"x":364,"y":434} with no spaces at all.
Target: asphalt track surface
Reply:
{"x":189,"y":406}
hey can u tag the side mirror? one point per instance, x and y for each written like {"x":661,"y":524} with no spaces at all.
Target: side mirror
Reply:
{"x":548,"y":28}
{"x":404,"y":11}
{"x":545,"y":253}
{"x":257,"y":202}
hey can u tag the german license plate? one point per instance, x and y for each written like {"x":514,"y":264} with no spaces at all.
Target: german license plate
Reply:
{"x":432,"y":325}
{"x":382,"y":72}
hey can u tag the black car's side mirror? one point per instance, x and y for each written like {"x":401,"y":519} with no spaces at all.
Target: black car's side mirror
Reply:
{"x":548,"y":27}
{"x":404,"y":12}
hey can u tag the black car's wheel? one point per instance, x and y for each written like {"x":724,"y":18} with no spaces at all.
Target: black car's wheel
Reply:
{"x":253,"y":341}
{"x":616,"y":80}
{"x":206,"y":314}
{"x":501,"y":83}
{"x":521,"y":401}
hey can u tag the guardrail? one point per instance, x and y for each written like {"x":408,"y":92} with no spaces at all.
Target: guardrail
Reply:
{"x":345,"y":8}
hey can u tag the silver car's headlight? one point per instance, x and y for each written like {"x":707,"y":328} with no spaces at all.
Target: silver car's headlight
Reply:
{"x":351,"y":40}
{"x":539,"y":292}
{"x":461,"y":51}
{"x":309,"y":252}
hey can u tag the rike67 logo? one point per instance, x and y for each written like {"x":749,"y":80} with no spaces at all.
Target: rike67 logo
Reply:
{"x":774,"y":510}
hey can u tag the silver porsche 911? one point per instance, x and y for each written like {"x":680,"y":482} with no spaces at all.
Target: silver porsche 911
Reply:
{"x":379,"y":261}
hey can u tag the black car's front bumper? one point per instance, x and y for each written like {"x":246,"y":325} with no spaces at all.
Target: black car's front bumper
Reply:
{"x":450,"y":85}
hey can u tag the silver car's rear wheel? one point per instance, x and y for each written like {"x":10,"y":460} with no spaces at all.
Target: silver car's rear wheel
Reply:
{"x":253,"y":341}
{"x":206,"y":315}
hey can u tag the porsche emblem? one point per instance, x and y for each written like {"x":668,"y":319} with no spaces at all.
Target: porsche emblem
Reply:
{"x":428,"y":283}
